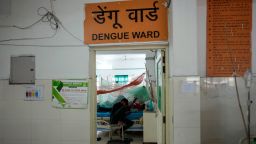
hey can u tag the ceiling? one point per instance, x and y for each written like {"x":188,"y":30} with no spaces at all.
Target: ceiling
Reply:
{"x":116,"y":57}
{"x":108,"y":61}
{"x":103,"y":56}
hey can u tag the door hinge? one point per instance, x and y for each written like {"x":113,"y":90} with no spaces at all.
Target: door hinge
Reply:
{"x":164,"y":119}
{"x":163,"y":69}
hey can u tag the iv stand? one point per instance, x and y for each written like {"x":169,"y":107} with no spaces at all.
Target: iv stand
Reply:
{"x":249,"y":116}
{"x":249,"y":102}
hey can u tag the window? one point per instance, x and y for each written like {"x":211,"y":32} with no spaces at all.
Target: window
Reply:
{"x":121,"y":79}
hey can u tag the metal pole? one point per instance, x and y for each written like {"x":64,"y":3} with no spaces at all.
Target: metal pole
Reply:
{"x":249,"y":116}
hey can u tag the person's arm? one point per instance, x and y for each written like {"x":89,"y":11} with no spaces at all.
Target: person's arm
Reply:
{"x":127,"y":110}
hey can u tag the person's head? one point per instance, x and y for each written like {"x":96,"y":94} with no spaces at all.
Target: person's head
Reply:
{"x":124,"y":101}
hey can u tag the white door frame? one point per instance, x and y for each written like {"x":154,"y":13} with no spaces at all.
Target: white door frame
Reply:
{"x":92,"y":82}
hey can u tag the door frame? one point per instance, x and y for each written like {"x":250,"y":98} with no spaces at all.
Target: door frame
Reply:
{"x":160,"y":61}
{"x":92,"y":83}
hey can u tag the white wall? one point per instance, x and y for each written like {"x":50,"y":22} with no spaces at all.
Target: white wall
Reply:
{"x":26,"y":122}
{"x":201,"y":35}
{"x":184,"y":60}
{"x":37,"y":122}
{"x":184,"y":66}
{"x":221,"y":120}
{"x":188,"y":58}
{"x":51,"y":62}
{"x":186,"y":91}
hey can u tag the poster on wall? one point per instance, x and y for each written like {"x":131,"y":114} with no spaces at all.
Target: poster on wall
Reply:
{"x":229,"y":27}
{"x":34,"y":93}
{"x":70,"y":94}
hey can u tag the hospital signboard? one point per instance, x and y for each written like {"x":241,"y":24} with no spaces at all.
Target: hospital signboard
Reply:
{"x":125,"y":21}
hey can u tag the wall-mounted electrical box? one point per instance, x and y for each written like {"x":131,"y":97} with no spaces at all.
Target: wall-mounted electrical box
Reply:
{"x":22,"y":70}
{"x":5,"y":7}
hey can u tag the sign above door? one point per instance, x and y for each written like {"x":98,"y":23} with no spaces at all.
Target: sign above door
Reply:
{"x":126,"y":21}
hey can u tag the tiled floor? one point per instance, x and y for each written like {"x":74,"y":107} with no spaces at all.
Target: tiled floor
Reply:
{"x":136,"y":136}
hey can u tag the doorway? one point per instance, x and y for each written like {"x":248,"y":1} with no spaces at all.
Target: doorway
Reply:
{"x":103,"y":59}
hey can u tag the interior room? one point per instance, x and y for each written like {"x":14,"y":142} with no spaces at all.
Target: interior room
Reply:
{"x":130,"y":75}
{"x":62,"y":60}
{"x":114,"y":70}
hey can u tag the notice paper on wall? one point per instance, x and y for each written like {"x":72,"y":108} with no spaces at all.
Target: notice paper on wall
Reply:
{"x":69,"y":93}
{"x":188,"y":87}
{"x":34,"y":93}
{"x":229,"y":28}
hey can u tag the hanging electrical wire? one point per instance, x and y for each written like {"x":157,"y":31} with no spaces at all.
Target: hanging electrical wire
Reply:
{"x":27,"y":45}
{"x":46,"y":17}
{"x":60,"y":23}
{"x":66,"y":30}
{"x":19,"y":27}
{"x":234,"y":75}
{"x":31,"y":38}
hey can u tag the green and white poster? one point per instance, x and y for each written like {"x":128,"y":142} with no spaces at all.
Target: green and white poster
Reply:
{"x":70,"y":93}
